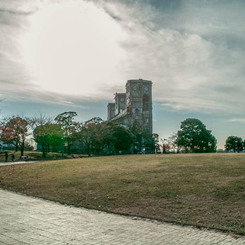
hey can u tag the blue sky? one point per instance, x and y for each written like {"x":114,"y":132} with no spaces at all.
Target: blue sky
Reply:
{"x":58,"y":55}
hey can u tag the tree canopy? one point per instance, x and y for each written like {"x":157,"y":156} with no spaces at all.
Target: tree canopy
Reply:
{"x":118,"y":138}
{"x":234,"y":143}
{"x":48,"y":135}
{"x":98,"y":137}
{"x":14,"y":130}
{"x":68,"y":125}
{"x":104,"y":138}
{"x":194,"y":137}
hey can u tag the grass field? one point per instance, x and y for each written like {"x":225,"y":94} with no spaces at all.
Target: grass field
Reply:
{"x":204,"y":190}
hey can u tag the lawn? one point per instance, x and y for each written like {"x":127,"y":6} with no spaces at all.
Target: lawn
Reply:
{"x":204,"y":190}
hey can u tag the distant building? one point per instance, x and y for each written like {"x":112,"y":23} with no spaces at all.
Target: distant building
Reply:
{"x":134,"y":106}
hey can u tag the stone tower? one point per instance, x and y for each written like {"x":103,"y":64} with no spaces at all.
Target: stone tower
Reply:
{"x":120,"y":103}
{"x":139,"y":103}
{"x":134,"y":106}
{"x":110,"y":111}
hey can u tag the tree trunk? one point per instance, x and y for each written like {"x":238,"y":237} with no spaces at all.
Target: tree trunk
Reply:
{"x":43,"y":151}
{"x":89,"y":150}
{"x":22,"y":148}
{"x":16,"y":146}
{"x":69,"y":149}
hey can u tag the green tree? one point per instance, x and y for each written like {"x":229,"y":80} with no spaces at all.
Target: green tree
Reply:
{"x":89,"y":134}
{"x":117,"y":138}
{"x":234,"y":143}
{"x":48,"y":135}
{"x":148,"y":142}
{"x":194,"y":136}
{"x":68,"y":125}
{"x":98,"y":137}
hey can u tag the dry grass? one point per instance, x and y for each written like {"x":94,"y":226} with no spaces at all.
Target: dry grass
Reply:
{"x":205,"y":190}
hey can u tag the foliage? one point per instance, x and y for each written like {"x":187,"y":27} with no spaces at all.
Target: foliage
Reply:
{"x":48,"y":135}
{"x":234,"y":143}
{"x":194,"y":136}
{"x":165,"y":146}
{"x":14,"y":130}
{"x":69,"y":126}
{"x":170,"y":145}
{"x":89,"y":137}
{"x":117,"y":138}
{"x":148,"y":142}
{"x":156,"y":142}
{"x":39,"y":120}
{"x":100,"y":138}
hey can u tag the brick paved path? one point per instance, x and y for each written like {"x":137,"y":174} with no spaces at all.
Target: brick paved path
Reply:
{"x":27,"y":220}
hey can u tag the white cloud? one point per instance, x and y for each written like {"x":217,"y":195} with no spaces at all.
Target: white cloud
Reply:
{"x":239,"y":120}
{"x":60,"y":48}
{"x":194,"y":55}
{"x":192,"y":64}
{"x":72,"y":48}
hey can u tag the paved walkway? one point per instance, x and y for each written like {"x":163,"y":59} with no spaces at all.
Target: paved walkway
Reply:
{"x":16,"y":163}
{"x":27,"y":220}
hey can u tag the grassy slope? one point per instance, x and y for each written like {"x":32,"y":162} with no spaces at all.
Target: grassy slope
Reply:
{"x":203,"y":189}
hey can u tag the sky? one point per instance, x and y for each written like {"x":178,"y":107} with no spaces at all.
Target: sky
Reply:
{"x":73,"y":55}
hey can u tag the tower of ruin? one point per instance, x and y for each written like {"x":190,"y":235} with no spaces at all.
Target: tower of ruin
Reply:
{"x":134,"y":106}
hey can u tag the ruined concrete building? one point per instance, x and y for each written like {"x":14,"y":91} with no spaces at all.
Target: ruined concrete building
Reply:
{"x":134,"y":106}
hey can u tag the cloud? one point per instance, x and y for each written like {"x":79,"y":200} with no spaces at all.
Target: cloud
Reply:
{"x":14,"y":79}
{"x":239,"y":120}
{"x":71,"y":57}
{"x":193,"y":51}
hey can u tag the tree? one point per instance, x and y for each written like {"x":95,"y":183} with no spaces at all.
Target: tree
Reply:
{"x":172,"y":145}
{"x":98,"y":137}
{"x":48,"y":135}
{"x":68,"y":125}
{"x":194,"y":136}
{"x":148,"y":142}
{"x":39,"y":121}
{"x":89,"y":135}
{"x":156,"y":143}
{"x":14,"y":130}
{"x":166,"y":148}
{"x":117,"y":138}
{"x":234,"y":143}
